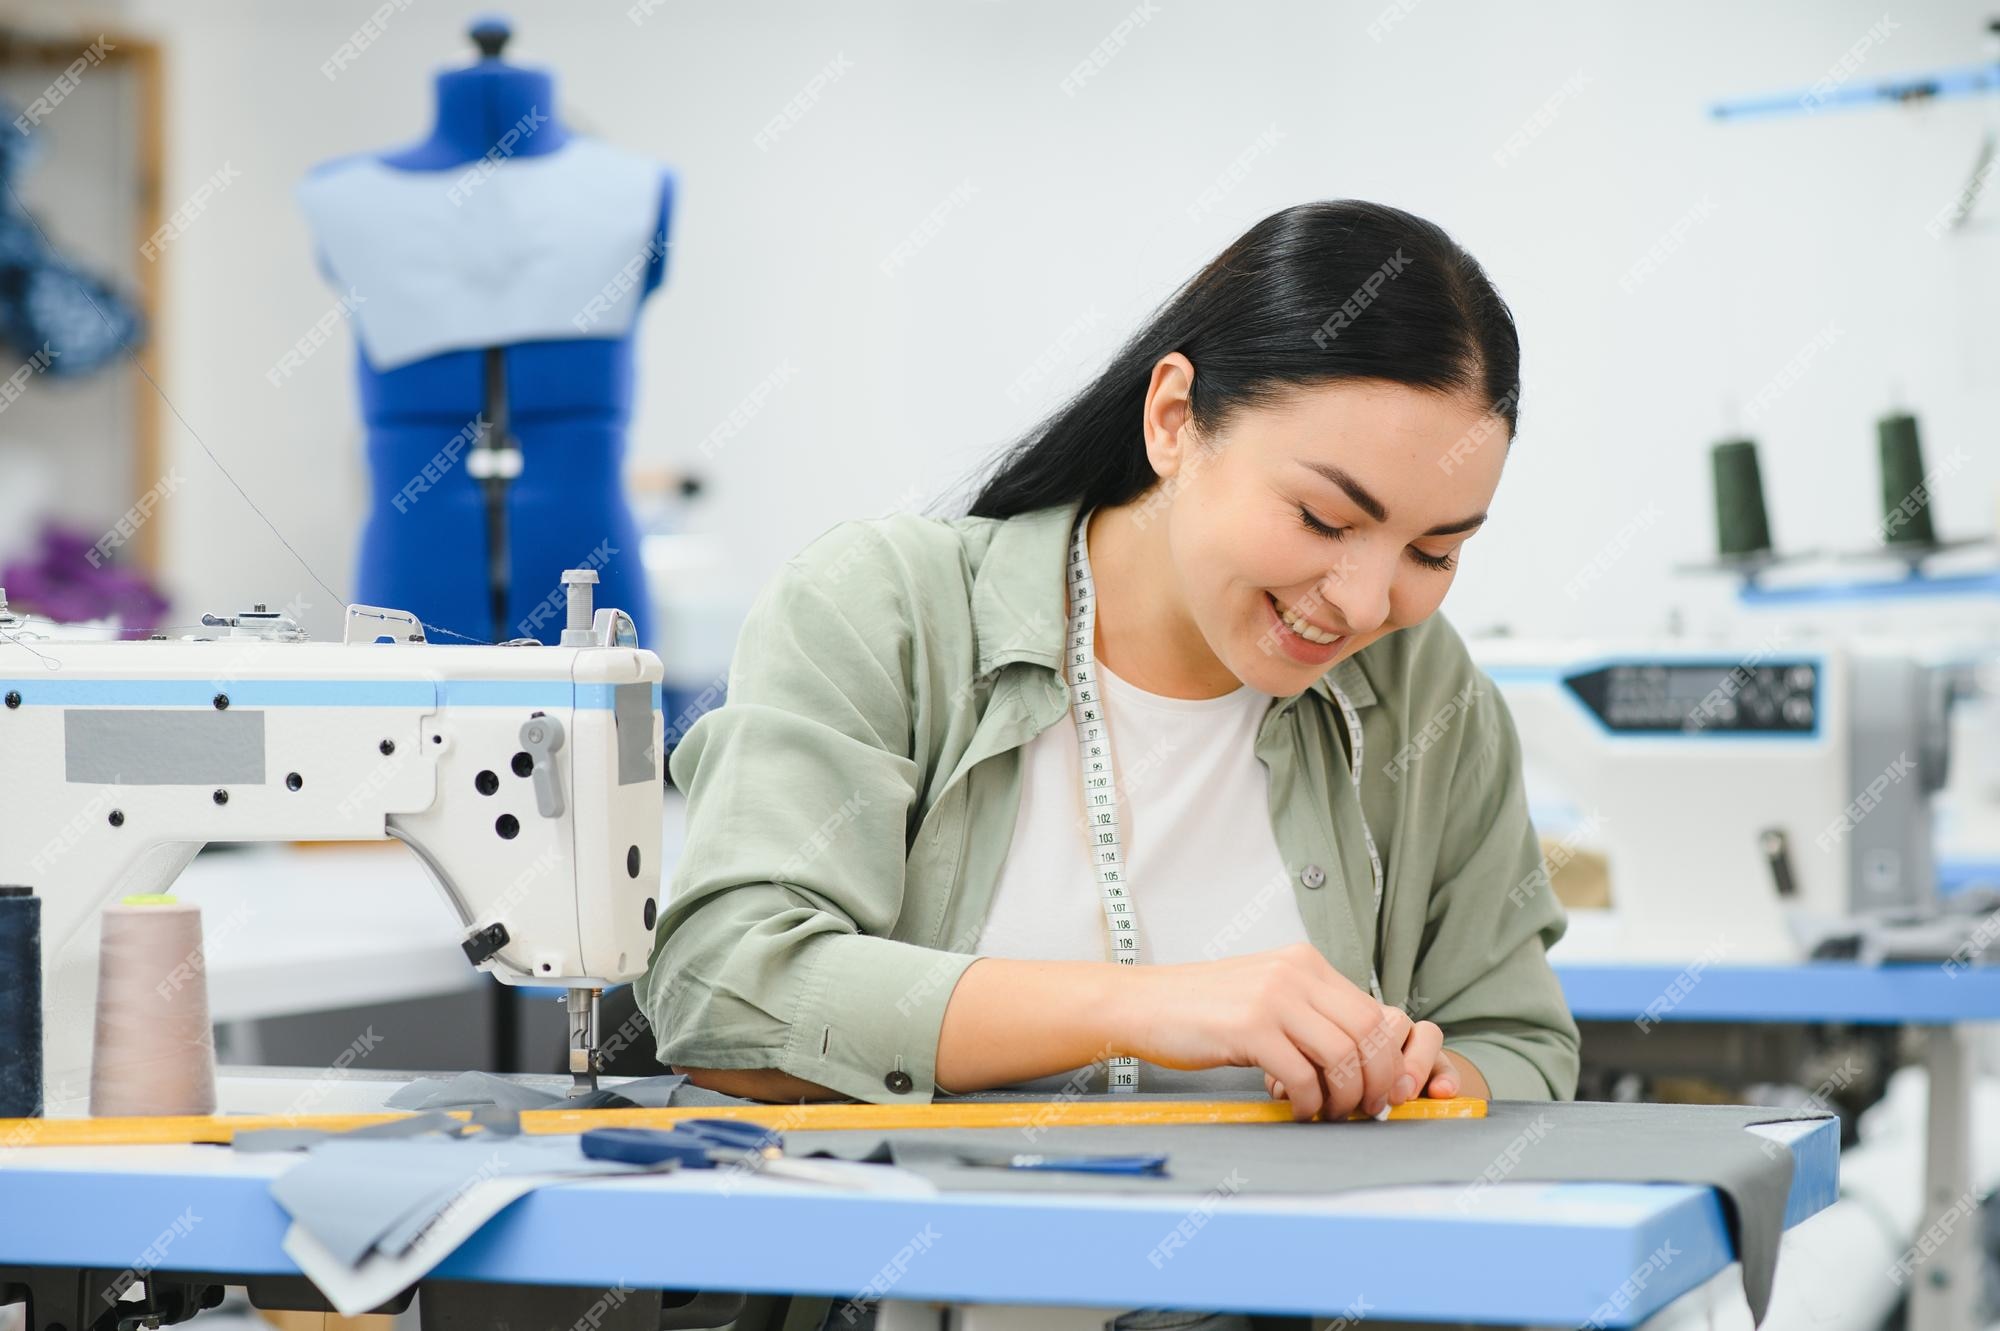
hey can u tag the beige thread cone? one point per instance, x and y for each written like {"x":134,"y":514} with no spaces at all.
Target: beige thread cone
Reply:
{"x":154,"y":1051}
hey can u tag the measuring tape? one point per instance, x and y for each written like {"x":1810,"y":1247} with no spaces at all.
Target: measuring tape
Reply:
{"x":1100,"y":788}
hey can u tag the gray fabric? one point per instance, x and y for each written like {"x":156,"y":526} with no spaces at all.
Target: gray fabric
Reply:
{"x":1520,"y":1142}
{"x":357,"y":1196}
{"x":470,"y":1090}
{"x":259,"y":1140}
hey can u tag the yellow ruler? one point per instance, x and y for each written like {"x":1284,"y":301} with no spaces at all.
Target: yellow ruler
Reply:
{"x":785,"y":1118}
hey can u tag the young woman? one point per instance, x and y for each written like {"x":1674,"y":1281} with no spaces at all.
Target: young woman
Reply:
{"x":1159,"y":767}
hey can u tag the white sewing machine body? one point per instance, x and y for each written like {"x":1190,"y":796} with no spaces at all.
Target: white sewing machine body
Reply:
{"x":1741,"y":798}
{"x":526,"y":778}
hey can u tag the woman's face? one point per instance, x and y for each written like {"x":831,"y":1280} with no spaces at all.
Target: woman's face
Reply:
{"x":1306,"y":529}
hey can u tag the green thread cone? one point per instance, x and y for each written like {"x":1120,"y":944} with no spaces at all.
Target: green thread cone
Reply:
{"x":1906,"y":497}
{"x":1741,"y":525}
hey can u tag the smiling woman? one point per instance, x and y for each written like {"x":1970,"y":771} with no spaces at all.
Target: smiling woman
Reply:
{"x":1075,"y":791}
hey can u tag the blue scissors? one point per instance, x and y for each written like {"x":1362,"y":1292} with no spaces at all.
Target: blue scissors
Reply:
{"x":699,"y":1143}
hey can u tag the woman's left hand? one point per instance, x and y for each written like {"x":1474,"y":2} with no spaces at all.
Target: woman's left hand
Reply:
{"x":1427,"y":1070}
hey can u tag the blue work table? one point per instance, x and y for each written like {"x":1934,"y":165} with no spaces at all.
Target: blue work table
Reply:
{"x":1516,"y":1253}
{"x":1940,"y":999}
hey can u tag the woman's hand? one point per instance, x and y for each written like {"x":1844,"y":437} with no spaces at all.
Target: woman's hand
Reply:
{"x":1329,"y":1045}
{"x":1426,"y":1064}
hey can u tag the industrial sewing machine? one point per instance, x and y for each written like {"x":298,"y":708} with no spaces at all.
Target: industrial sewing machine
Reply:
{"x":525,"y":777}
{"x":1754,"y":805}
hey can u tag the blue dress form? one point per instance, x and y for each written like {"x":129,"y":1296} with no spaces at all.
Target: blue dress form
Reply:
{"x":487,"y":259}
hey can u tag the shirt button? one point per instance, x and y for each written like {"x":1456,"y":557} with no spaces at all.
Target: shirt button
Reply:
{"x":899,"y":1082}
{"x":1312,"y":875}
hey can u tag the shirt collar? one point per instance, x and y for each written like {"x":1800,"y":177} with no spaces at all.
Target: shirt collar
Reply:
{"x":1018,"y":603}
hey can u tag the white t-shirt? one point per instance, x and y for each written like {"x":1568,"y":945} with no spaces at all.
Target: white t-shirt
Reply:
{"x":1194,"y":816}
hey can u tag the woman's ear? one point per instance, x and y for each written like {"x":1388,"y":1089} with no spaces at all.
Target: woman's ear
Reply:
{"x":1168,"y":423}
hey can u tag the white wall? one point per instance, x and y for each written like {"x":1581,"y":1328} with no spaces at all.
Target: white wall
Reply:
{"x":1084,"y":211}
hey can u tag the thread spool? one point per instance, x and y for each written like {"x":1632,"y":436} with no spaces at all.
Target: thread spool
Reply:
{"x":154,"y":1051}
{"x":20,"y":1003}
{"x":1742,"y":527}
{"x":1906,"y":499}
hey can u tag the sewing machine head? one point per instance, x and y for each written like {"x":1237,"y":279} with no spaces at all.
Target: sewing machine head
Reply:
{"x":1750,"y":802}
{"x":526,"y":778}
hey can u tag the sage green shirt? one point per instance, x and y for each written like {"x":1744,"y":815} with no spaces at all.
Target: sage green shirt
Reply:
{"x":850,"y":805}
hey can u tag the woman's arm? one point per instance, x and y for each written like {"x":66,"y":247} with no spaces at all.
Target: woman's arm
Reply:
{"x":1287,"y":1011}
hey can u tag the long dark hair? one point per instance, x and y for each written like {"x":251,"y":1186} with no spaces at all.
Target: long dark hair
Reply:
{"x":1341,"y":289}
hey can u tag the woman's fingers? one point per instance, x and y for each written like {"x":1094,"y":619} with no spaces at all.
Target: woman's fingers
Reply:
{"x":1444,"y":1081}
{"x":1291,"y":1073}
{"x":1377,"y":1033}
{"x":1336,"y":1061}
{"x":1422,"y":1061}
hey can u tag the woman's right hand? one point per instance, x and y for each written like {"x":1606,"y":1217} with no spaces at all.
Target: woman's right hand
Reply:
{"x":1310,"y":1029}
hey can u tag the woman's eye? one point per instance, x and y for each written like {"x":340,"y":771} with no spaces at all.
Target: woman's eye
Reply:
{"x":1318,"y":528}
{"x":1440,"y":563}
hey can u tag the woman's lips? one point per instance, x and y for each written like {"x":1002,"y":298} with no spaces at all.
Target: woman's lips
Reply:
{"x":1294,"y":644}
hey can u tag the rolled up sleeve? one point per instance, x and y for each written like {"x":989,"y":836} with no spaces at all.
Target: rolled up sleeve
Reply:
{"x":1483,"y":974}
{"x":773,"y":950}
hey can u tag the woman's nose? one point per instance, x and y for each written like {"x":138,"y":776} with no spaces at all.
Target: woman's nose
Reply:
{"x":1358,"y":590}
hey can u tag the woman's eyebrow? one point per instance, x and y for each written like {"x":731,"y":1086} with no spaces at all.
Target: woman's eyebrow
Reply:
{"x":1364,"y":501}
{"x":1454,"y":528}
{"x":1373,"y":507}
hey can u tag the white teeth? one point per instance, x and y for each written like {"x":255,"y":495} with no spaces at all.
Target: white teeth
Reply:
{"x":1305,"y":629}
